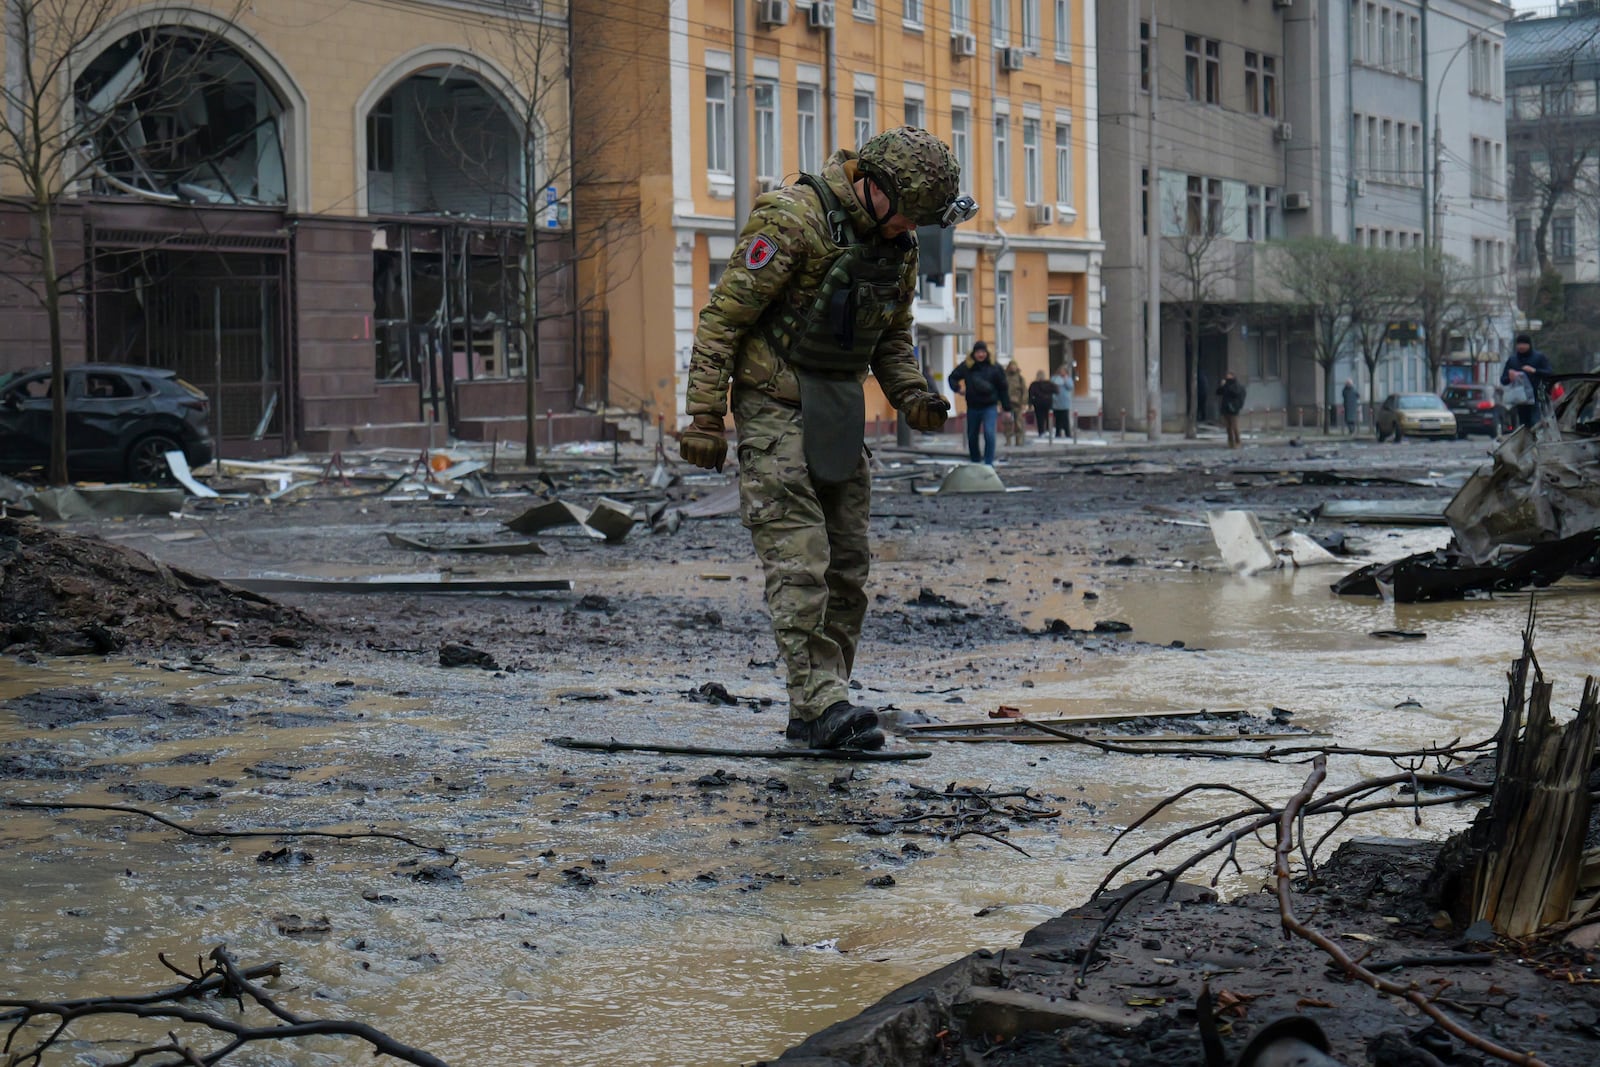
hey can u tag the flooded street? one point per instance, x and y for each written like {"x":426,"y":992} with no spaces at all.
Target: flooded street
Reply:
{"x":645,"y":909}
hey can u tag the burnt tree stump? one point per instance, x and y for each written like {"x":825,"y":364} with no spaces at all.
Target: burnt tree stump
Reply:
{"x":1525,"y":851}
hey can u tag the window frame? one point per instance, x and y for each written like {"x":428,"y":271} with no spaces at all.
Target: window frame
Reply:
{"x":863,"y":125}
{"x":1032,"y":161}
{"x":719,"y":124}
{"x":768,"y":143}
{"x":1063,"y":29}
{"x":1002,"y":157}
{"x":808,"y":128}
{"x":1066,"y":178}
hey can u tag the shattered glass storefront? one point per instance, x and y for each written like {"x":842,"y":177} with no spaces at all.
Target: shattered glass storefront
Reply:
{"x":448,"y":304}
{"x":445,"y":163}
{"x":187,"y":240}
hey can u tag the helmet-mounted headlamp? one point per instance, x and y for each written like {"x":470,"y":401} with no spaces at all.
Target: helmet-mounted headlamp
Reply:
{"x":961,"y":209}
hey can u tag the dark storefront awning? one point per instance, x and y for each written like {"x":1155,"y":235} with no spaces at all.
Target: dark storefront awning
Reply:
{"x":1074,"y":332}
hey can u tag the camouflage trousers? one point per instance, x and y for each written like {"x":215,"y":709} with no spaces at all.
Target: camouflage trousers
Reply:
{"x":812,"y":540}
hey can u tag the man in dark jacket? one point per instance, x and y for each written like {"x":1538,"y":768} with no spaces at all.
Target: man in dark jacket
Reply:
{"x":1230,"y":400}
{"x":1524,"y":375}
{"x":984,"y":386}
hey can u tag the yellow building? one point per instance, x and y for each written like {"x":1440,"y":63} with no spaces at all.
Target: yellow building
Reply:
{"x":1011,"y":89}
{"x":319,"y":212}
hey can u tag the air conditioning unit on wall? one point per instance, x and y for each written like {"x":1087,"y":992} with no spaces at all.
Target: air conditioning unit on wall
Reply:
{"x":1042,"y":214}
{"x":821,"y":16}
{"x":1296,"y":201}
{"x":963,"y":45}
{"x":1283,"y":131}
{"x":1011,"y":58}
{"x":772,"y":13}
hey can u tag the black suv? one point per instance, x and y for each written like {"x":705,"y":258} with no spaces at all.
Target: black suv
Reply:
{"x":1477,"y":408}
{"x":121,"y":421}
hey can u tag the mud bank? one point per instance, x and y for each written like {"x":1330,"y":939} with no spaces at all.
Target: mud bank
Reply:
{"x":1138,"y":1005}
{"x":65,"y":595}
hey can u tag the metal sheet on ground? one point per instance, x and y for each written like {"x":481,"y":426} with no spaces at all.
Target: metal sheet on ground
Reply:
{"x":482,"y":548}
{"x":430,"y":585}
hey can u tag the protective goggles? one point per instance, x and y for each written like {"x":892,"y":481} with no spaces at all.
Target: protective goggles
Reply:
{"x":961,"y":209}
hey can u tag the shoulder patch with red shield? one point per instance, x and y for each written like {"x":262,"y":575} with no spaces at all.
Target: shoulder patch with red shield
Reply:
{"x":760,"y":253}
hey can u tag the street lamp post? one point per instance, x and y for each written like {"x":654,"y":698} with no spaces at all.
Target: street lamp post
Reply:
{"x":1433,"y":219}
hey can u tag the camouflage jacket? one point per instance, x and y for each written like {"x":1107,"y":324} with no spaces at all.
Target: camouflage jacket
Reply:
{"x":1016,"y":386}
{"x":790,"y":266}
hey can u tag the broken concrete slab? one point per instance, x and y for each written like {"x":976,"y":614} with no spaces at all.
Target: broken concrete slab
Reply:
{"x":613,"y":520}
{"x":1243,"y":544}
{"x":1246,"y":549}
{"x":103,"y":501}
{"x":1303,"y":551}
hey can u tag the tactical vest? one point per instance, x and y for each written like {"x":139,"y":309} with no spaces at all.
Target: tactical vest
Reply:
{"x":839,"y":328}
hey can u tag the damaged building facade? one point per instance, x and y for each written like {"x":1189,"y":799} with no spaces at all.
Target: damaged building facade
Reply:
{"x":326,"y":218}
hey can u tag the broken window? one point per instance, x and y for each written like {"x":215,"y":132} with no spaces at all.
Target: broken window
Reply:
{"x":448,"y":303}
{"x":442,"y":144}
{"x":180,"y":116}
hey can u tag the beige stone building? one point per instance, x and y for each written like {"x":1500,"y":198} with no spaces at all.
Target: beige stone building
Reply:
{"x":1009,"y":84}
{"x":321,"y":213}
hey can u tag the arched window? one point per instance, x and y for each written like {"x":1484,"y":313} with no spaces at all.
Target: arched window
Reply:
{"x":179,"y":115}
{"x":441,"y":142}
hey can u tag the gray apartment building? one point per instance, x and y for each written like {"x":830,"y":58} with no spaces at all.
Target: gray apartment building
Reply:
{"x":1283,"y":119}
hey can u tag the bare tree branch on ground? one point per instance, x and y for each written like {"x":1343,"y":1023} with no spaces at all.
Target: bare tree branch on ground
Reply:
{"x":220,"y":977}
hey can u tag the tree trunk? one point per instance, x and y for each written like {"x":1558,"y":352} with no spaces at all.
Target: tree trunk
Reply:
{"x":1541,"y":232}
{"x":1192,"y":373}
{"x":44,"y":212}
{"x":530,"y":328}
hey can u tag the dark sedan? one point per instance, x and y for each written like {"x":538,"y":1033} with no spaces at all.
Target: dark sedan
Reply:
{"x":121,"y":421}
{"x":1477,"y":409}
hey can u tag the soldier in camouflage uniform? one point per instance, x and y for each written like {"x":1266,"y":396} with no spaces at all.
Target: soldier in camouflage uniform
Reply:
{"x":1017,"y":391}
{"x":817,"y":292}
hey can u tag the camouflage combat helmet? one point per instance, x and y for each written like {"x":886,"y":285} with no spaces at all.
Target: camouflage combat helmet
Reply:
{"x":915,"y":170}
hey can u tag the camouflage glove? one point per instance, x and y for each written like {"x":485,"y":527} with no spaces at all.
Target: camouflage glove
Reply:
{"x":925,"y":411}
{"x":704,"y":443}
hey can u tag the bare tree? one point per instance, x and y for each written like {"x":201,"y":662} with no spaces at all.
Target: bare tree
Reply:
{"x":1326,"y":281}
{"x":1450,"y":300}
{"x":1553,"y":147}
{"x":52,"y":145}
{"x":1199,"y":270}
{"x":1389,"y":278}
{"x":557,"y":160}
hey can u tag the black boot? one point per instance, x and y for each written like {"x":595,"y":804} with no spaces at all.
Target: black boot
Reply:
{"x":843,"y":725}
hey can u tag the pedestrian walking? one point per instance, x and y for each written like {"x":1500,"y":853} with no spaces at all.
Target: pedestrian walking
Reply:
{"x":1017,"y":392}
{"x":1352,"y":405}
{"x":1524,"y":376}
{"x":1230,"y":401}
{"x":1064,"y":384}
{"x":984,"y":387}
{"x":818,"y":291}
{"x":1041,"y":398}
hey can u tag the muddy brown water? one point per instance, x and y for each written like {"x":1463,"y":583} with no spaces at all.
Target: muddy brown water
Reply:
{"x":715,"y":931}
